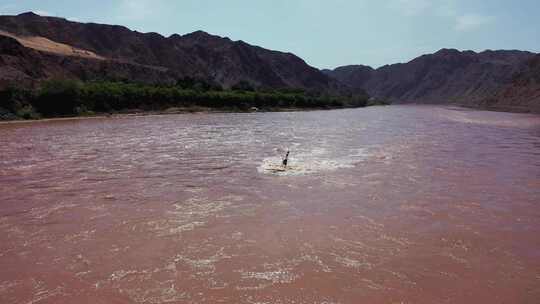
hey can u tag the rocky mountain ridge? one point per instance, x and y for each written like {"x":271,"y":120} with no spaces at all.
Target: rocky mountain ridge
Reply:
{"x":197,"y":55}
{"x":449,"y":76}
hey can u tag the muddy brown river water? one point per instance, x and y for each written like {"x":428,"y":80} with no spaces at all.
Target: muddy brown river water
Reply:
{"x":400,"y":204}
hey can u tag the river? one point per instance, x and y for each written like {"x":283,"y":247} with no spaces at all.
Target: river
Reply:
{"x":398,"y":204}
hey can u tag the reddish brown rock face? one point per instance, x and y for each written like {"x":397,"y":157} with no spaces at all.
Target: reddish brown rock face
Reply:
{"x":523,"y":92}
{"x":396,"y":204}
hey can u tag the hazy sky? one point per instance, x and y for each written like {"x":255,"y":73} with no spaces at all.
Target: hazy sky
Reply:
{"x":326,"y":33}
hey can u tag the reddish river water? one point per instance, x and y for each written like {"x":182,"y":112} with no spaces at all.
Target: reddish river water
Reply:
{"x":400,"y":204}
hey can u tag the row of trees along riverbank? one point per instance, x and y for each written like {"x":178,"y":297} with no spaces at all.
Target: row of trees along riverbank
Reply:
{"x":62,"y":98}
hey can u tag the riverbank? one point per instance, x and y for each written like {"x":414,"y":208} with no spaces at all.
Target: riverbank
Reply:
{"x":66,"y":98}
{"x":170,"y":111}
{"x":506,"y":108}
{"x":503,"y":108}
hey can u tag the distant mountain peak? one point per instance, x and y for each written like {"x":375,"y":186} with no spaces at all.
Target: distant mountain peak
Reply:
{"x":201,"y":36}
{"x":199,"y":33}
{"x":448,"y":51}
{"x":355,"y":67}
{"x":28,"y":14}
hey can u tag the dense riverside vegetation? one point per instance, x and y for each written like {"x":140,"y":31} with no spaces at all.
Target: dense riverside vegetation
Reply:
{"x":61,"y":98}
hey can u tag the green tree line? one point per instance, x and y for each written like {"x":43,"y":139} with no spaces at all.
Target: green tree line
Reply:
{"x":58,"y":98}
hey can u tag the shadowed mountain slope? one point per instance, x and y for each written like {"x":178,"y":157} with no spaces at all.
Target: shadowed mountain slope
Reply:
{"x":197,"y":55}
{"x":448,"y":76}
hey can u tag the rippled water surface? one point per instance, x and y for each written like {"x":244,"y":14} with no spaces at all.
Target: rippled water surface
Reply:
{"x":400,"y":204}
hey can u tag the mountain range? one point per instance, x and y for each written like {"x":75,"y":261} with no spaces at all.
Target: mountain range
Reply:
{"x":34,"y":48}
{"x":88,"y":51}
{"x":504,"y":80}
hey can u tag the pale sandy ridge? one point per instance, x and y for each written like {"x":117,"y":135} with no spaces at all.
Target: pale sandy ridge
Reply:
{"x":49,"y":46}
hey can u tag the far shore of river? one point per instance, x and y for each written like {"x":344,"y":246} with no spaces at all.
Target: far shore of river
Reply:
{"x":171,"y":111}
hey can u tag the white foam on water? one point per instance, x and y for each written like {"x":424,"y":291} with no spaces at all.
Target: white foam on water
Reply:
{"x":276,"y":277}
{"x":314,"y":161}
{"x":353,"y":263}
{"x":46,"y":211}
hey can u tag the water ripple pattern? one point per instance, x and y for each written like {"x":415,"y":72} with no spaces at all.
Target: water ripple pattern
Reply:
{"x":399,"y":204}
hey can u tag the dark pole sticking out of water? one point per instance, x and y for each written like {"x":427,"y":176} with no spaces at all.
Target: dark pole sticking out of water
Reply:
{"x":286,"y":159}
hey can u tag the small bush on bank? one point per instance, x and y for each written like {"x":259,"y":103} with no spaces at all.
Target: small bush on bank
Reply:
{"x":377,"y":102}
